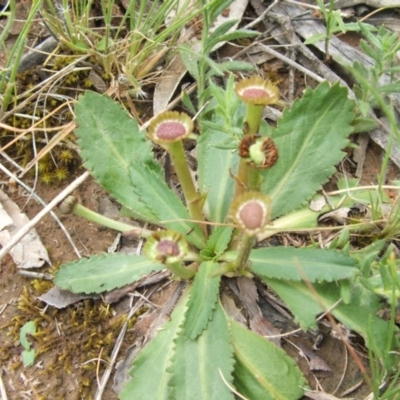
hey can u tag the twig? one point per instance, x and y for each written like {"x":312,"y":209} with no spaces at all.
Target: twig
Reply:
{"x":35,"y":275}
{"x":117,"y":347}
{"x":292,"y":63}
{"x":23,"y":231}
{"x":291,"y":78}
{"x":261,"y":17}
{"x":42,"y":202}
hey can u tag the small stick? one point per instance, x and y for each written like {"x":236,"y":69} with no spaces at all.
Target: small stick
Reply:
{"x":35,"y":275}
{"x":106,"y":375}
{"x":262,"y":16}
{"x":39,"y":199}
{"x":292,"y":63}
{"x":61,"y":196}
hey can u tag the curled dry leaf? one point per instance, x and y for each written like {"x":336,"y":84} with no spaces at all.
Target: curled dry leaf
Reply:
{"x":29,"y":252}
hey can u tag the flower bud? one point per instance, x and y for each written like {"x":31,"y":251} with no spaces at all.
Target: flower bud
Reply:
{"x":68,"y":204}
{"x":166,"y":247}
{"x":259,"y":152}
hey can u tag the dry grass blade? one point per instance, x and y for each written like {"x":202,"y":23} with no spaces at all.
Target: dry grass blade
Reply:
{"x":67,"y":129}
{"x":114,"y":355}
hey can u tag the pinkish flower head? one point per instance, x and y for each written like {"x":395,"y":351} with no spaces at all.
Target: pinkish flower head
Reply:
{"x":256,"y":90}
{"x":251,"y":212}
{"x":169,"y":127}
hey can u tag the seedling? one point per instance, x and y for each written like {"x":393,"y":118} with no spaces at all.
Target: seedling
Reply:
{"x":253,"y":181}
{"x":334,"y":24}
{"x":28,"y":354}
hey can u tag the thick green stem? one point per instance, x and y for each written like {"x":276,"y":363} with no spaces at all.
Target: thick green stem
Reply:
{"x":192,"y":256}
{"x":253,"y":118}
{"x":248,"y":178}
{"x":242,"y":258}
{"x":90,"y":215}
{"x":181,"y":271}
{"x":242,"y":179}
{"x":254,"y":179}
{"x":192,"y":196}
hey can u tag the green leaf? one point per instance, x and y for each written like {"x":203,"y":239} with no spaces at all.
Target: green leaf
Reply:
{"x":28,"y":328}
{"x":28,"y":357}
{"x":312,"y":265}
{"x":216,"y":8}
{"x":310,"y":137}
{"x":219,"y":240}
{"x":216,"y":165}
{"x":237,"y":66}
{"x":104,"y":44}
{"x":110,"y":141}
{"x":389,"y":88}
{"x":301,"y":302}
{"x":152,"y":190}
{"x":357,"y":315}
{"x":363,"y":320}
{"x":215,"y":69}
{"x":203,"y":298}
{"x":373,"y":39}
{"x":214,"y":174}
{"x":364,"y":124}
{"x":262,"y":370}
{"x":187,"y":102}
{"x":214,"y":37}
{"x":191,"y":60}
{"x":238,"y":34}
{"x":315,"y":38}
{"x":103,"y":272}
{"x":28,"y":354}
{"x":149,"y":370}
{"x":197,"y":365}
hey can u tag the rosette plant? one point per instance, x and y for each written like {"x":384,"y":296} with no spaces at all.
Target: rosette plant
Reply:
{"x":253,"y":181}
